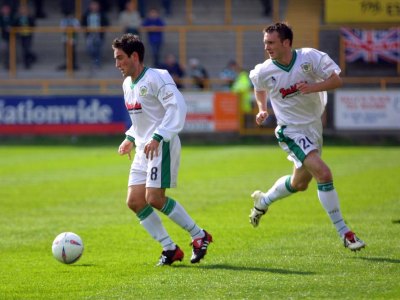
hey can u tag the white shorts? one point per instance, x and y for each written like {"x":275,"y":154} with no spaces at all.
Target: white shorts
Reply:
{"x":299,"y":140}
{"x":162,"y":170}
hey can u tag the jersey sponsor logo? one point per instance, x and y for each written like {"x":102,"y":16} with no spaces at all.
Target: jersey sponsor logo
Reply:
{"x":291,"y":91}
{"x":135,"y":108}
{"x":306,"y":67}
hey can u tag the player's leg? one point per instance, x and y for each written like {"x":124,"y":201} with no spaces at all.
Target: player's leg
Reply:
{"x":136,"y":201}
{"x":281,"y":189}
{"x":330,"y":200}
{"x":293,"y":144}
{"x":149,"y":219}
{"x":163,"y":173}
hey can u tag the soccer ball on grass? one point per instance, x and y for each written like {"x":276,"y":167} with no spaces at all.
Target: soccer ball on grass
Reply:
{"x":67,"y":247}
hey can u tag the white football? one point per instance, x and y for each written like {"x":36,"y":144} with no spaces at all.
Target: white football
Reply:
{"x":67,"y":247}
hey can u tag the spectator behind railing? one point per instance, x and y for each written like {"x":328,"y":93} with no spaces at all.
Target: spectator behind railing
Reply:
{"x":24,"y":20}
{"x":155,"y":38}
{"x":69,"y":39}
{"x":228,"y":74}
{"x":93,"y":19}
{"x":198,"y":74}
{"x":6,"y":21}
{"x":130,"y":18}
{"x":174,"y":68}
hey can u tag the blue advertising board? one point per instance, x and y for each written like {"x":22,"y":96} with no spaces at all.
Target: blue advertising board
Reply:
{"x":41,"y":115}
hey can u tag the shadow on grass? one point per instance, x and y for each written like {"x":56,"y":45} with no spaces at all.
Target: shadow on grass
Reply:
{"x":381,"y":259}
{"x":83,"y":265}
{"x":240,"y":268}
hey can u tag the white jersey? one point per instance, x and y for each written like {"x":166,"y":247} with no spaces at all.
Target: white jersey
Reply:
{"x":291,"y":107}
{"x":155,"y":106}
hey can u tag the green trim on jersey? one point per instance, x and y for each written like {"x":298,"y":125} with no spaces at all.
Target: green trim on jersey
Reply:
{"x":139,"y":77}
{"x":168,"y":206}
{"x":325,"y":187}
{"x":166,"y":166}
{"x":288,"y":67}
{"x":288,"y":185}
{"x":298,"y":152}
{"x":145,"y":212}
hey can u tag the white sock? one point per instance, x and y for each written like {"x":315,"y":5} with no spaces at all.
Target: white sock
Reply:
{"x":279,"y":190}
{"x":178,"y":214}
{"x":330,"y":201}
{"x":152,"y":223}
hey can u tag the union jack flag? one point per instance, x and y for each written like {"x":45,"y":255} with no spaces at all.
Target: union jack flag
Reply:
{"x":372,"y":45}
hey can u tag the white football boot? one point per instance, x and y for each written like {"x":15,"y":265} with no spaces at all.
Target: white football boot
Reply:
{"x":257,"y":212}
{"x":352,"y":242}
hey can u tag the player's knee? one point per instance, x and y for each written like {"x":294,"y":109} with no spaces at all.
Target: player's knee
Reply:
{"x":131,"y":204}
{"x":155,"y":200}
{"x":325,"y":175}
{"x":300,"y":186}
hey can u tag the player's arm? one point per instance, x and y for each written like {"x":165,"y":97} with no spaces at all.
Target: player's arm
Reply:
{"x":333,"y":82}
{"x":173,"y":121}
{"x":261,"y":101}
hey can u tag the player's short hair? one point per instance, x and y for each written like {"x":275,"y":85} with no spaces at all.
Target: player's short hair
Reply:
{"x":283,"y":29}
{"x":130,"y":43}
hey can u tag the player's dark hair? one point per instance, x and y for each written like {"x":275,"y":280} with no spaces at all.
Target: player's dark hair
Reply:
{"x":130,"y":43}
{"x":284,"y":31}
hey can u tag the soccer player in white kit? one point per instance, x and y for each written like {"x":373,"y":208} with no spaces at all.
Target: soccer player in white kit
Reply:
{"x":157,"y":110}
{"x":296,"y":82}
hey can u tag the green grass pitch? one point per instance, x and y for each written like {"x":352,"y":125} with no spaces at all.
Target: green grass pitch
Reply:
{"x":295,"y":253}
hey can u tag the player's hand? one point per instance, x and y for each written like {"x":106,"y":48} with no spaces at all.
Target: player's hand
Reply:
{"x":261,"y":117}
{"x":304,"y":87}
{"x":125,"y":148}
{"x":151,"y":149}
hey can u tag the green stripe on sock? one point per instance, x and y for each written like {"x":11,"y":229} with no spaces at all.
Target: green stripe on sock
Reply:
{"x":288,"y":185}
{"x":168,"y":206}
{"x":145,"y":212}
{"x":166,"y":166}
{"x":325,"y":187}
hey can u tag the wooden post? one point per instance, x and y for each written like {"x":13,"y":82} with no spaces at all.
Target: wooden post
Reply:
{"x":78,"y":9}
{"x":275,"y":11}
{"x":342,"y":56}
{"x":228,"y":11}
{"x":189,"y":12}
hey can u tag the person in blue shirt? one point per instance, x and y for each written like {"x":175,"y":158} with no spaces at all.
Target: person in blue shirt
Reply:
{"x":155,"y":38}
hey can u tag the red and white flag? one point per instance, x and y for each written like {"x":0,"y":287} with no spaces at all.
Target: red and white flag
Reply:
{"x":372,"y":45}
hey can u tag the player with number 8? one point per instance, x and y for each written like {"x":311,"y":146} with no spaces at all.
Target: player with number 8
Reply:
{"x":157,"y":110}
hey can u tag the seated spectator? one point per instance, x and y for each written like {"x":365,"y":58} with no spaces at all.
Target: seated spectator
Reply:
{"x":174,"y":68}
{"x":155,"y":38}
{"x":198,"y":74}
{"x":69,"y":39}
{"x":93,"y":20}
{"x":6,"y":22}
{"x":130,"y":19}
{"x":228,"y":74}
{"x":24,"y":20}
